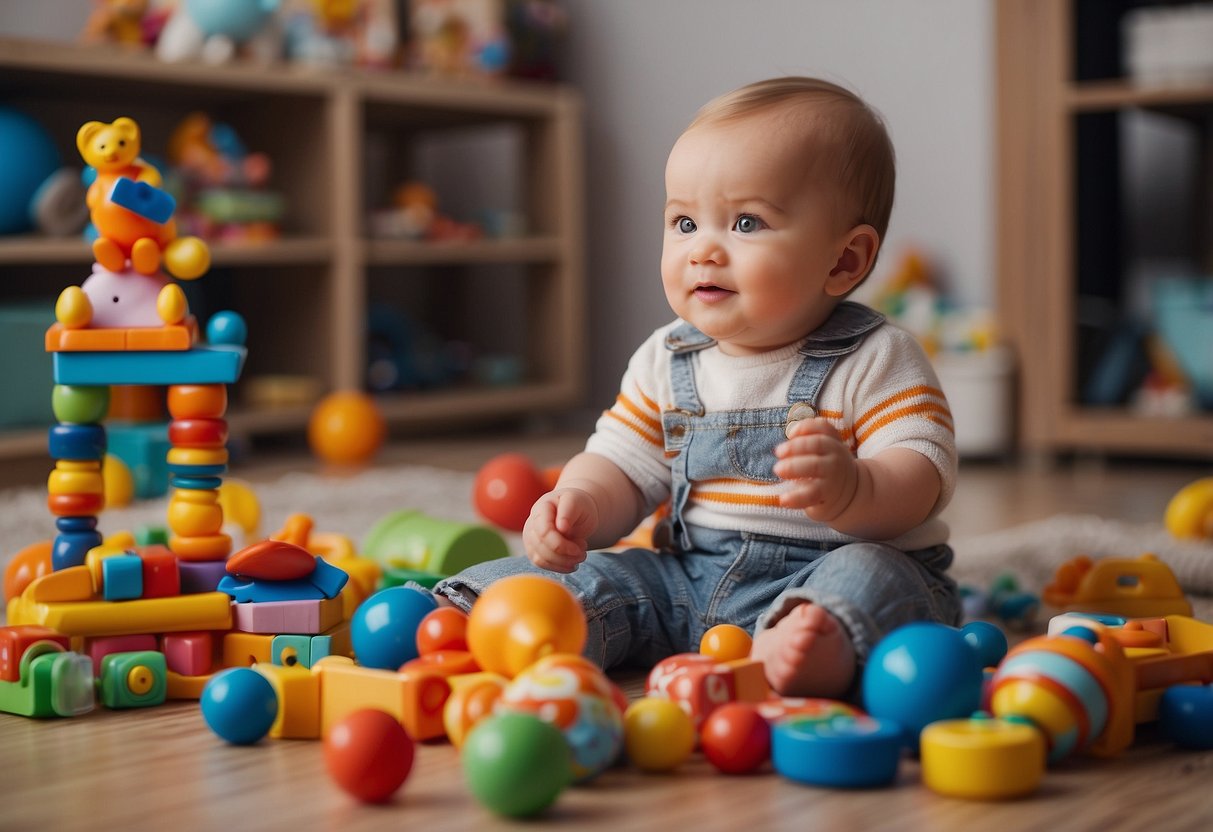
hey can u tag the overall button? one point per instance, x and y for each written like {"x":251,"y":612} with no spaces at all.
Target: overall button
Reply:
{"x":798,"y":411}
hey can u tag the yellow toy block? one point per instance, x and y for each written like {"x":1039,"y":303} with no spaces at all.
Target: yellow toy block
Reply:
{"x":64,"y":585}
{"x":298,"y":691}
{"x":204,"y":611}
{"x":247,"y":649}
{"x":414,"y":699}
{"x":186,"y":687}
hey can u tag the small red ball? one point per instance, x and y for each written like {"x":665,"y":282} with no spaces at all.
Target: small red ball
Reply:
{"x":735,"y":738}
{"x":446,"y":628}
{"x":506,"y":488}
{"x":369,"y":755}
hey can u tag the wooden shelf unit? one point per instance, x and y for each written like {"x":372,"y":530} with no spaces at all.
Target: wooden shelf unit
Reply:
{"x":307,"y":296}
{"x":1040,"y":99}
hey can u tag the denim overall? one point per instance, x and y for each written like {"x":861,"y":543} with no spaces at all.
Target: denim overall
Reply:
{"x":643,"y":606}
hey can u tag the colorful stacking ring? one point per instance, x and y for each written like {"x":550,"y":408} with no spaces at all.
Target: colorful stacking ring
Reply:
{"x":198,"y":433}
{"x":846,"y":751}
{"x":76,"y":442}
{"x":197,"y":401}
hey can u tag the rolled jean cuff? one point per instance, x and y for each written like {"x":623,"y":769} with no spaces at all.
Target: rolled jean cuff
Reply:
{"x":860,"y":627}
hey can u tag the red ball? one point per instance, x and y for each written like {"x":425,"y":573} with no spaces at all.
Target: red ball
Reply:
{"x":735,"y":738}
{"x":506,"y":488}
{"x":369,"y":755}
{"x":446,"y":628}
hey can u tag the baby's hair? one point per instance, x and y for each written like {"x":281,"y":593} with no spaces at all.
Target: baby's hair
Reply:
{"x":851,"y":146}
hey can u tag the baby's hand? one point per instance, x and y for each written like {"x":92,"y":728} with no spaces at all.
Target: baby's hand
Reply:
{"x":825,"y":473}
{"x":556,"y":531}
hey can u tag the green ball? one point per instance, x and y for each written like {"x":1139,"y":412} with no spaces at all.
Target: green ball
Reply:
{"x":80,"y":405}
{"x":516,"y":764}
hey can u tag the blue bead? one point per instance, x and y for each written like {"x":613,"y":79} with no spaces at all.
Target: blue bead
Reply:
{"x":75,"y":524}
{"x":76,"y":442}
{"x":70,"y":548}
{"x":197,"y":483}
{"x":197,"y":471}
{"x":1084,"y":633}
{"x":227,"y":328}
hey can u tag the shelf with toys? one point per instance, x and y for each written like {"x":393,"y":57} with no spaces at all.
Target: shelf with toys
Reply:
{"x":332,"y":150}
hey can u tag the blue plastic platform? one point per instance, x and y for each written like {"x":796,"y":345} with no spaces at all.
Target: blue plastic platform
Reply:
{"x":200,"y":365}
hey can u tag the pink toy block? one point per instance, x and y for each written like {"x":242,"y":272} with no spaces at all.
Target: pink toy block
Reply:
{"x":310,"y":617}
{"x":701,"y":683}
{"x":190,"y":654}
{"x":98,"y":647}
{"x":161,"y":578}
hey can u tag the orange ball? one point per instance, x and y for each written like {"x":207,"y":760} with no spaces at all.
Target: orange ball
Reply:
{"x":726,"y":642}
{"x":506,"y":488}
{"x":445,"y":628}
{"x":520,"y":619}
{"x":30,"y":563}
{"x":346,"y":428}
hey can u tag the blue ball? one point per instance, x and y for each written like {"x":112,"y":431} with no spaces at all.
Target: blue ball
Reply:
{"x":27,"y":157}
{"x":989,"y":642}
{"x":383,"y":631}
{"x":1185,"y":715}
{"x":239,"y":704}
{"x":227,"y":328}
{"x":920,"y":673}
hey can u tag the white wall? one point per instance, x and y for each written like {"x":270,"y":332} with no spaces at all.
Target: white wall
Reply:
{"x":645,"y":66}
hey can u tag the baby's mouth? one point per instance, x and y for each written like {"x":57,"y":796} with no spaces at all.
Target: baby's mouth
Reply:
{"x":711,"y":293}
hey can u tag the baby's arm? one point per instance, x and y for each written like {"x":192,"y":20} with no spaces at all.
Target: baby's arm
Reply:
{"x":593,"y":505}
{"x":879,"y":498}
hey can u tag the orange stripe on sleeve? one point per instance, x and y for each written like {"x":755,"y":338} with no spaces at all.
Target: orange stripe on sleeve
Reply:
{"x":637,"y":429}
{"x":736,"y":499}
{"x":632,"y":408}
{"x":930,"y":410}
{"x":920,"y":390}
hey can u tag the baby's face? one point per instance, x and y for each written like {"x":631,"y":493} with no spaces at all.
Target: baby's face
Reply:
{"x":750,"y":240}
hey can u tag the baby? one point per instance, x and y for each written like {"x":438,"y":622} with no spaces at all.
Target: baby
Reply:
{"x":802,"y":444}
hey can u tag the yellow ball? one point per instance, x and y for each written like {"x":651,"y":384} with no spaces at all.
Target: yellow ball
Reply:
{"x":1189,"y":514}
{"x":658,"y":734}
{"x":726,"y":642}
{"x":346,"y":428}
{"x":119,"y":483}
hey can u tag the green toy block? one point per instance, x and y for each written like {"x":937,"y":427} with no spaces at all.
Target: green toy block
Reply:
{"x":393,"y":576}
{"x":151,"y":536}
{"x":138,"y":679}
{"x":408,"y":539}
{"x":53,"y":682}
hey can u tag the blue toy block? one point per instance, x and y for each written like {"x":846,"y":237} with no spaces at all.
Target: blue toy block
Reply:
{"x":122,"y":578}
{"x":200,"y":365}
{"x":76,"y":442}
{"x":243,"y":590}
{"x":70,"y":548}
{"x":328,"y":579}
{"x":143,"y":447}
{"x":143,"y":199}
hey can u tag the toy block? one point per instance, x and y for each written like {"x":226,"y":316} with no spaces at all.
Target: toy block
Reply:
{"x":701,"y":683}
{"x":161,"y":577}
{"x":246,"y":591}
{"x":97,"y":555}
{"x":200,"y":365}
{"x":445,"y":663}
{"x":298,"y":691}
{"x":247,"y":649}
{"x":72,"y":584}
{"x":143,"y":446}
{"x":415,"y":699}
{"x":143,"y":199}
{"x":312,"y":616}
{"x":52,"y":682}
{"x":185,"y":687}
{"x":272,"y":560}
{"x":15,"y":639}
{"x":59,"y":338}
{"x":334,"y":642}
{"x":98,"y":648}
{"x":200,"y":575}
{"x":305,"y":650}
{"x":292,"y":650}
{"x":205,"y":611}
{"x":189,"y":654}
{"x":122,"y":577}
{"x":151,"y":536}
{"x":133,"y":680}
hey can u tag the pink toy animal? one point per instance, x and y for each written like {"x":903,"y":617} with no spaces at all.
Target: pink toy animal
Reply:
{"x":123,"y":299}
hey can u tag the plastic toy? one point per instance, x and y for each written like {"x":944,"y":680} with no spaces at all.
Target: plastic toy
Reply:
{"x":27,"y":158}
{"x":725,"y":642}
{"x":384,"y":627}
{"x":573,"y":694}
{"x":369,"y":754}
{"x":658,"y":734}
{"x":735,"y":738}
{"x":1132,"y":587}
{"x":984,"y":759}
{"x":1189,"y":514}
{"x":987,"y":640}
{"x":50,"y":682}
{"x":700,"y":684}
{"x":415,"y":698}
{"x":522,"y":618}
{"x":297,"y":691}
{"x":473,"y":698}
{"x":213,"y":30}
{"x":921,"y":673}
{"x":1003,"y":600}
{"x":1185,"y":716}
{"x":844,"y":752}
{"x":116,"y":21}
{"x":239,"y":705}
{"x":29,"y":564}
{"x":409,"y":539}
{"x":16,"y":639}
{"x":346,"y":429}
{"x":516,"y":764}
{"x":505,"y":489}
{"x":309,"y":617}
{"x":443,"y":629}
{"x":777,"y":708}
{"x":133,"y":680}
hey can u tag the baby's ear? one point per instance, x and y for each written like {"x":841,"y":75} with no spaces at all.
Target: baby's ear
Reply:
{"x":858,"y":253}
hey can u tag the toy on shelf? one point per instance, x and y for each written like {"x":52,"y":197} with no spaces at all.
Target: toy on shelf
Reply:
{"x":36,"y":191}
{"x":463,"y":37}
{"x":346,"y":428}
{"x":342,"y":32}
{"x":1189,"y":514}
{"x":215,"y":30}
{"x":414,"y":215}
{"x":1132,"y":587}
{"x":128,"y":23}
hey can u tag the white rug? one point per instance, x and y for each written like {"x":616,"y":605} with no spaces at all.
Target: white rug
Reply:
{"x":351,"y":506}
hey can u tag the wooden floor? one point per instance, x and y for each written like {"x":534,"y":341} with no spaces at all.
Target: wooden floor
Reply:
{"x":162,"y":768}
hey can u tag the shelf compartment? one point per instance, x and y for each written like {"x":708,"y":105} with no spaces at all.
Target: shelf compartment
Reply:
{"x":1115,"y":430}
{"x":26,"y":250}
{"x":1094,"y":96}
{"x":506,"y":250}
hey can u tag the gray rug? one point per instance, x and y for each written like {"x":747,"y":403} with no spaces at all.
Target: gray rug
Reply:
{"x":351,"y":505}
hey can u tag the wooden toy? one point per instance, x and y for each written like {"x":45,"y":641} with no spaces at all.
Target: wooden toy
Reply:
{"x":346,"y":428}
{"x":658,"y":734}
{"x":700,"y":683}
{"x":736,"y":738}
{"x":297,"y":690}
{"x":384,"y":628}
{"x":726,"y":641}
{"x":442,"y":629}
{"x":505,"y":488}
{"x":516,"y":764}
{"x":1189,"y":514}
{"x":844,"y":752}
{"x":239,"y":705}
{"x":416,"y":699}
{"x":982,"y":758}
{"x":369,"y":755}
{"x":522,"y":618}
{"x":50,"y":681}
{"x":133,"y":680}
{"x":412,"y":540}
{"x":1132,"y":587}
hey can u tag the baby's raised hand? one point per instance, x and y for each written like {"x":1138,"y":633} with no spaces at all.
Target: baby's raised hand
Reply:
{"x":556,"y":531}
{"x":823,"y":470}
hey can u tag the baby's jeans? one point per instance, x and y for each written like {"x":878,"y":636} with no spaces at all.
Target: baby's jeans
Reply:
{"x":642,"y":606}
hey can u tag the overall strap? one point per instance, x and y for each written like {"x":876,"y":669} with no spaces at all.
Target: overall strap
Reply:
{"x":840,"y":335}
{"x":683,"y":342}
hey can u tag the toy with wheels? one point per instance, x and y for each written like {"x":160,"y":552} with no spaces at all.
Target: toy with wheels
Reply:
{"x":521,"y":619}
{"x":1189,"y":514}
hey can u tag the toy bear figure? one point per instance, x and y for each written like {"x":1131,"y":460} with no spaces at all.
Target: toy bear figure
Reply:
{"x":133,"y":222}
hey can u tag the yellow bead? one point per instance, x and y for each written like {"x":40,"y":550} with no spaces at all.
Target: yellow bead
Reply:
{"x":75,"y":482}
{"x":73,"y":308}
{"x":171,"y":304}
{"x":140,"y":679}
{"x":195,"y":513}
{"x":197,"y":456}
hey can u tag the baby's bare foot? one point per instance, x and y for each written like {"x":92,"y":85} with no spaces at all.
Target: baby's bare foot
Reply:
{"x":806,"y":653}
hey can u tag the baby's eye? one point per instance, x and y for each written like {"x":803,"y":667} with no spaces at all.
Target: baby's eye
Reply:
{"x":686,"y":225}
{"x":748,"y":224}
